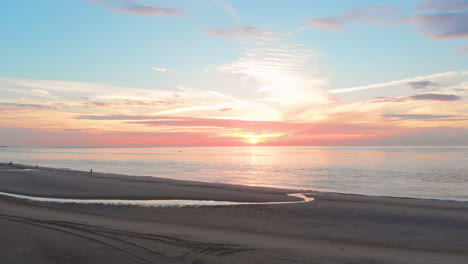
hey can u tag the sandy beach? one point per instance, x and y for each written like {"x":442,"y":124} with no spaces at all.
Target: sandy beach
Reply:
{"x":334,"y":228}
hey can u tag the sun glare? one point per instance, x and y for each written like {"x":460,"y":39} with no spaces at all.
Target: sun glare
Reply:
{"x":253,"y":140}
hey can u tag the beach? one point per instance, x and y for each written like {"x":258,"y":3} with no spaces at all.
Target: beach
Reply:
{"x":333,"y":228}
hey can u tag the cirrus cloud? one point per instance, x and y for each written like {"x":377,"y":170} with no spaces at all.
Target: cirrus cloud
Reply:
{"x":371,"y":14}
{"x":134,"y":8}
{"x":443,"y":5}
{"x":422,"y":84}
{"x":446,"y":20}
{"x":239,"y":32}
{"x":159,"y":69}
{"x":417,"y":116}
{"x":436,"y":97}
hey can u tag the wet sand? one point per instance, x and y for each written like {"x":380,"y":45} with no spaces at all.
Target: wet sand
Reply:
{"x":334,"y":228}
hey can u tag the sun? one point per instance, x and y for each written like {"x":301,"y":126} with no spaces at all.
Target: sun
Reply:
{"x":253,"y":140}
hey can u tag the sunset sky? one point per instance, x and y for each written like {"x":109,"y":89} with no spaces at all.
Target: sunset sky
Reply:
{"x":233,"y":72}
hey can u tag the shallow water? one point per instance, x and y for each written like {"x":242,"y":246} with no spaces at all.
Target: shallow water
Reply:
{"x":419,"y":172}
{"x":150,"y":203}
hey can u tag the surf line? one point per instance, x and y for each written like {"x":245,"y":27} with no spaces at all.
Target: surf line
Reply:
{"x":152,"y":203}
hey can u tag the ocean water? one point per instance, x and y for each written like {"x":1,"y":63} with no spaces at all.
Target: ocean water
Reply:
{"x":418,"y":172}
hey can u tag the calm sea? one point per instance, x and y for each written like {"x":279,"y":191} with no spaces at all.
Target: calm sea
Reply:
{"x":419,"y":172}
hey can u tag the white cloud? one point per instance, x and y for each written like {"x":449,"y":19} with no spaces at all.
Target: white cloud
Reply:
{"x":433,"y":77}
{"x":281,"y":72}
{"x":159,"y":69}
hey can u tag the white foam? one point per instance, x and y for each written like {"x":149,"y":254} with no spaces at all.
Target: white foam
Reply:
{"x":150,"y":203}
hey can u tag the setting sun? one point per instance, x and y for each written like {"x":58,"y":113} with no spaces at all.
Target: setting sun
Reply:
{"x":253,"y":140}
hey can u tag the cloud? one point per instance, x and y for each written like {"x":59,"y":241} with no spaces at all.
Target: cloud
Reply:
{"x":178,"y":121}
{"x":438,"y":76}
{"x":443,"y":26}
{"x":422,"y":84}
{"x":436,"y":97}
{"x":132,"y":7}
{"x":292,"y":130}
{"x":97,"y":98}
{"x":124,"y":117}
{"x":463,"y":50}
{"x":38,"y":91}
{"x":442,"y":136}
{"x":446,"y":20}
{"x":418,"y":97}
{"x":425,"y":117}
{"x":382,"y":99}
{"x":239,"y":32}
{"x":445,"y":5}
{"x":448,"y":24}
{"x":19,"y":106}
{"x":159,"y":69}
{"x":417,"y":116}
{"x":371,"y":14}
{"x":283,"y":75}
{"x":73,"y":129}
{"x":229,"y":9}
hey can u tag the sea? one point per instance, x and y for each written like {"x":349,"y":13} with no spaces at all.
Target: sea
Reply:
{"x":439,"y":173}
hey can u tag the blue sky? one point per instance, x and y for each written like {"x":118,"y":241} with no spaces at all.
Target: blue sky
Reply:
{"x":287,"y":61}
{"x":83,"y":41}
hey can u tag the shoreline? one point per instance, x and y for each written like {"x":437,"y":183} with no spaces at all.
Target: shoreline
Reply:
{"x":334,"y":228}
{"x":280,"y":188}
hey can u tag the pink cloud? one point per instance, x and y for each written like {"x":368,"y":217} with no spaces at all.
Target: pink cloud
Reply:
{"x":159,"y":69}
{"x":444,"y":26}
{"x":448,"y":23}
{"x":241,"y":31}
{"x":436,"y":97}
{"x":224,"y":109}
{"x":447,"y":5}
{"x":371,"y":14}
{"x":418,"y":116}
{"x":388,"y":100}
{"x":132,"y":7}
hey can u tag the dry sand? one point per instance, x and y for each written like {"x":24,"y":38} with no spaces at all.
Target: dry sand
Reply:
{"x":335,"y":228}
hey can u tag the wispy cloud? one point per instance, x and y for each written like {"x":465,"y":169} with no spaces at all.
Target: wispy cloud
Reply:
{"x":5,"y":107}
{"x":422,"y":84}
{"x":419,"y":97}
{"x":463,"y":50}
{"x":371,"y":14}
{"x":159,"y":69}
{"x":446,"y":20}
{"x":239,"y":32}
{"x":133,"y":7}
{"x":443,"y":5}
{"x":443,"y":26}
{"x":418,"y":116}
{"x":441,"y":20}
{"x":281,"y":73}
{"x":436,"y":97}
{"x":439,"y":77}
{"x":229,"y":9}
{"x":383,"y":99}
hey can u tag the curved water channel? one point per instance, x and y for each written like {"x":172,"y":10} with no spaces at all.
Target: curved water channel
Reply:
{"x":151,"y":203}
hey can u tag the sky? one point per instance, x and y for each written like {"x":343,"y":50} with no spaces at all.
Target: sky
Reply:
{"x":137,"y":73}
